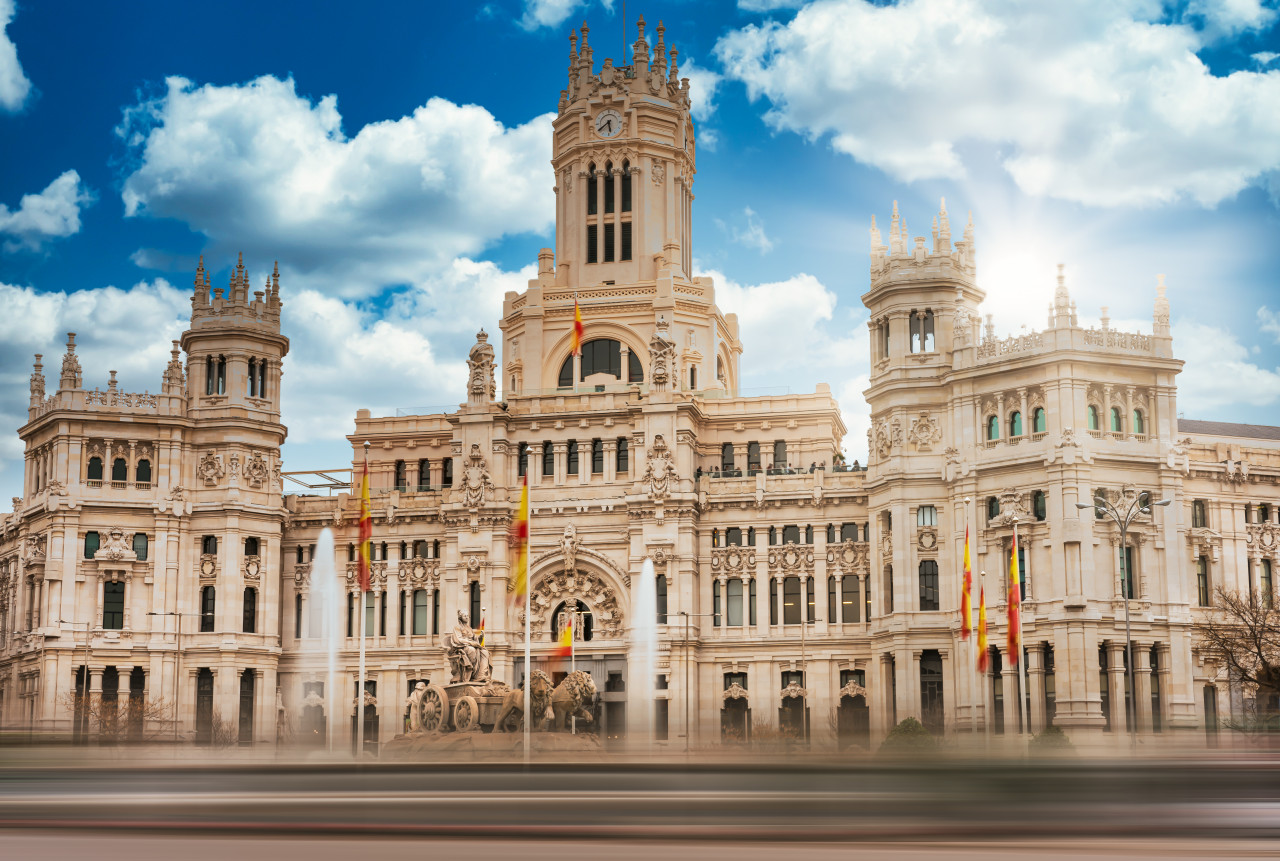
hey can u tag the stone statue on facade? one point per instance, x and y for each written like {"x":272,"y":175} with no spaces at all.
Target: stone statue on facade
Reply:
{"x":662,"y":356}
{"x":569,"y":548}
{"x":468,"y":660}
{"x":414,"y":706}
{"x":480,"y":361}
{"x":476,"y":481}
{"x":660,"y":470}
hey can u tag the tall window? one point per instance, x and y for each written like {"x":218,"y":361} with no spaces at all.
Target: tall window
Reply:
{"x":931,"y":705}
{"x":424,"y":474}
{"x":401,"y":476}
{"x":208,"y":606}
{"x":753,"y":455}
{"x":419,"y":611}
{"x":773,"y":601}
{"x":926,"y":515}
{"x":716,"y":616}
{"x":522,"y":461}
{"x":1139,"y":423}
{"x":593,"y":238}
{"x":623,"y":459}
{"x":1038,"y":422}
{"x":1015,"y":424}
{"x":791,"y":598}
{"x":262,"y":378}
{"x":1126,"y":572}
{"x":662,"y":599}
{"x":210,"y":376}
{"x":113,"y":605}
{"x":597,"y":456}
{"x":993,"y":507}
{"x":1202,"y":581}
{"x":791,"y":534}
{"x":888,"y":588}
{"x":624,"y":251}
{"x":253,"y":378}
{"x":476,"y":610}
{"x":94,"y":472}
{"x":573,"y":457}
{"x":1117,"y":424}
{"x":608,"y":237}
{"x":140,"y":546}
{"x":928,"y":585}
{"x":726,"y":456}
{"x":626,"y":187}
{"x":608,"y":191}
{"x":250,"y":620}
{"x":142,"y":472}
{"x":119,"y":470}
{"x":733,"y":536}
{"x":921,"y":331}
{"x":780,"y":453}
{"x":733,"y":603}
{"x":209,"y":544}
{"x":993,"y":427}
{"x":1267,"y":585}
{"x":1095,"y":423}
{"x":592,"y":192}
{"x":446,"y":472}
{"x":1039,"y":505}
{"x":1022,"y":570}
{"x":849,"y":598}
{"x":1199,"y":518}
{"x":246,"y":707}
{"x":91,"y":544}
{"x":222,"y":375}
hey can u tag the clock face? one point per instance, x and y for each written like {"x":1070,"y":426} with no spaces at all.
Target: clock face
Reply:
{"x":609,"y":124}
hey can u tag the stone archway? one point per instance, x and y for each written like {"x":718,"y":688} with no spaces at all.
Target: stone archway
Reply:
{"x":591,"y":585}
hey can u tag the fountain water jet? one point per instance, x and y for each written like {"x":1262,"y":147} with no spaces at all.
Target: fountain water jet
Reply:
{"x":644,"y":652}
{"x":324,"y":590}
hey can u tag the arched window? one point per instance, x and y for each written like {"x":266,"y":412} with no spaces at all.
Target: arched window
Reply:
{"x":1117,"y":423}
{"x":993,"y":507}
{"x":208,"y":605}
{"x":522,"y":461}
{"x":209,"y":544}
{"x":119,"y":470}
{"x":250,"y":620}
{"x":583,"y":623}
{"x":1199,"y":514}
{"x":424,"y":474}
{"x":626,"y":187}
{"x":1038,"y":423}
{"x":91,"y":544}
{"x":720,"y":368}
{"x":95,"y":469}
{"x":142,"y":472}
{"x":1039,"y":506}
{"x":601,"y":356}
{"x":726,"y":456}
{"x":1139,"y":423}
{"x":253,"y":378}
{"x":140,"y":546}
{"x":993,"y":427}
{"x":1095,"y":422}
{"x":262,"y":378}
{"x":608,"y":189}
{"x":928,"y":585}
{"x":222,"y":375}
{"x":210,"y":376}
{"x":1015,"y":424}
{"x":251,"y":546}
{"x":693,"y":378}
{"x":592,"y":188}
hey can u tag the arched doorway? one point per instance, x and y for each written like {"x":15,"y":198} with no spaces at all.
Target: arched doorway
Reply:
{"x":853,"y":722}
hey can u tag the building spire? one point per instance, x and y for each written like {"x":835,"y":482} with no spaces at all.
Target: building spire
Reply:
{"x":1160,"y":313}
{"x":72,"y":376}
{"x":37,"y":382}
{"x":201,"y":295}
{"x":944,"y":229}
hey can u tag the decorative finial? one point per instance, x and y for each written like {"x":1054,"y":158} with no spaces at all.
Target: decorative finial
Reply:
{"x":1160,"y":285}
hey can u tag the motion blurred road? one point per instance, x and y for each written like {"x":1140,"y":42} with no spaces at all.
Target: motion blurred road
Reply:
{"x":1062,"y":809}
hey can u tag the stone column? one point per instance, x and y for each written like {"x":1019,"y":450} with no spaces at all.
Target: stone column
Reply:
{"x":1009,"y":679}
{"x":584,"y":461}
{"x":1115,"y":679}
{"x":1035,"y":684}
{"x":1142,"y":685}
{"x":610,"y":461}
{"x":535,"y":462}
{"x":561,"y":450}
{"x":740,"y":456}
{"x":1022,"y":408}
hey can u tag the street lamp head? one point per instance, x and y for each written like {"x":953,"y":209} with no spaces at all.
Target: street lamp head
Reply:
{"x":1083,"y":505}
{"x":1162,"y":503}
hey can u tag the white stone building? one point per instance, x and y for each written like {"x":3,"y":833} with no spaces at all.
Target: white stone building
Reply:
{"x":155,"y":546}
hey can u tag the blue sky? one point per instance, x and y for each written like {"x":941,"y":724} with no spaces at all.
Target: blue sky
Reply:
{"x":395,"y":160}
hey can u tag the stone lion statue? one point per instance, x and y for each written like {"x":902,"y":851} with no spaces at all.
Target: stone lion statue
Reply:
{"x":574,"y":697}
{"x":513,"y":704}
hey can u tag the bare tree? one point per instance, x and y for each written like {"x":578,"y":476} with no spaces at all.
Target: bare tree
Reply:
{"x":1242,"y":633}
{"x":125,"y":717}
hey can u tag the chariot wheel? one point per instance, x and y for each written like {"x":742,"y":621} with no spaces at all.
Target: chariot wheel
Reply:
{"x":435,"y":709}
{"x":466,"y":714}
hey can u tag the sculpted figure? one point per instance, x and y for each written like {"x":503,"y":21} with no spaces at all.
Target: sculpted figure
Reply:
{"x":573,"y":697}
{"x":513,"y":704}
{"x":569,"y":548}
{"x":414,"y":704}
{"x":468,"y":660}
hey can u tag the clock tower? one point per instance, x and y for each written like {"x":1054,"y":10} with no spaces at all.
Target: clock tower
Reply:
{"x":624,"y":159}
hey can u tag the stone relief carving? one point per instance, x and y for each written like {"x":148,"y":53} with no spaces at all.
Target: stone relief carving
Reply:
{"x":583,"y":585}
{"x":791,"y":558}
{"x":853,"y":557}
{"x":234,"y":465}
{"x":660,"y":470}
{"x":480,"y":361}
{"x":793,"y":691}
{"x":477,"y":484}
{"x":422,"y":571}
{"x":255,"y":470}
{"x":210,"y":468}
{"x":116,"y":547}
{"x":733,"y":560}
{"x":735,"y":691}
{"x":662,"y":356}
{"x":1013,"y":504}
{"x":852,"y":689}
{"x":252,"y":568}
{"x":924,"y":433}
{"x":659,"y":172}
{"x":569,"y":548}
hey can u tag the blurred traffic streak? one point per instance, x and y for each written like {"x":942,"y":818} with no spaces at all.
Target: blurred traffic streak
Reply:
{"x":1219,"y":800}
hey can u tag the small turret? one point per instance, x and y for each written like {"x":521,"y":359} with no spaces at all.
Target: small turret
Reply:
{"x":37,"y":383}
{"x":640,"y":52}
{"x":942,"y":243}
{"x":1061,"y":311}
{"x":200,"y":296}
{"x":1160,"y":313}
{"x":72,"y":376}
{"x":174,"y":381}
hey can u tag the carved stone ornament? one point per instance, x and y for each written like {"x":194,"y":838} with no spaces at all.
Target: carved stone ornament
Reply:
{"x":33,"y":550}
{"x":731,"y":560}
{"x":735,"y":691}
{"x":422,"y":571}
{"x":662,"y":357}
{"x":660,"y":470}
{"x":659,"y":172}
{"x":210,"y":468}
{"x":851,"y":556}
{"x":852,"y":689}
{"x":178,"y":493}
{"x":1012,"y":504}
{"x":302,"y":576}
{"x":927,"y":539}
{"x":255,"y":470}
{"x":1262,"y":537}
{"x":208,"y":565}
{"x":583,"y":585}
{"x":116,"y":548}
{"x":477,"y":484}
{"x":569,"y":548}
{"x":792,"y":557}
{"x":480,"y":361}
{"x":924,"y":433}
{"x":793,"y":691}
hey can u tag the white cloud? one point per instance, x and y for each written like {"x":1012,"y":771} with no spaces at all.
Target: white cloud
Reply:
{"x":552,"y":13}
{"x":52,"y":214}
{"x":1265,"y":58}
{"x":1091,"y":101}
{"x":703,"y":84}
{"x":768,"y":5}
{"x":258,"y":167}
{"x":1269,"y":322}
{"x":1228,"y":18}
{"x":753,"y":235}
{"x":1218,"y":375}
{"x":14,"y":86}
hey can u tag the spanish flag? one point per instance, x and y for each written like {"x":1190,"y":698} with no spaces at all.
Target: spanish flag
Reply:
{"x":1015,"y":605}
{"x":480,"y":633}
{"x":518,"y":540}
{"x":564,"y":648}
{"x":984,"y":655}
{"x":966,"y":593}
{"x":366,"y":529}
{"x":577,"y":327}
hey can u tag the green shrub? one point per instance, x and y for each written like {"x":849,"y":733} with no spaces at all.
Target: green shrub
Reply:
{"x":1051,"y":739}
{"x":908,"y":737}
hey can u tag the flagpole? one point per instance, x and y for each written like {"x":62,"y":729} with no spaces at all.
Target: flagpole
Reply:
{"x":1024,"y":695}
{"x":361,"y":609}
{"x":528,"y":666}
{"x":573,"y":718}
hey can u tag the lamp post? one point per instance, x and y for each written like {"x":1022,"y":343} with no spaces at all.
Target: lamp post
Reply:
{"x":1135,"y":508}
{"x":177,"y":661}
{"x":688,"y":651}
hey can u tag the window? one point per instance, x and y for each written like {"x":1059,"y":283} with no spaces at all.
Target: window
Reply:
{"x":931,"y":706}
{"x":1264,"y":513}
{"x":522,"y":461}
{"x":91,"y":544}
{"x":246,"y":707}
{"x":733,"y":536}
{"x":1126,"y":572}
{"x":779,"y":454}
{"x":921,"y":332}
{"x":751,"y":536}
{"x":419,"y":611}
{"x":209,"y":544}
{"x":791,"y":534}
{"x":849,"y":598}
{"x":435,"y":611}
{"x":928,"y":585}
{"x":623,"y":459}
{"x":262,"y":378}
{"x":548,"y":459}
{"x":476,"y":610}
{"x":626,"y":187}
{"x":773,"y":601}
{"x":608,"y":237}
{"x":253,"y":378}
{"x":726,"y":457}
{"x":1117,"y":425}
{"x":1015,"y":424}
{"x":624,"y":252}
{"x":608,"y":189}
{"x":573,"y":457}
{"x":297,"y":615}
{"x":401,"y":476}
{"x":299,"y":555}
{"x":251,"y":546}
{"x":993,"y":428}
{"x":601,"y":356}
{"x":250,"y":622}
{"x":1139,"y":424}
{"x":888,"y":588}
{"x":113,"y":605}
{"x":662,"y":599}
{"x":95,"y":469}
{"x":593,"y":183}
{"x":210,"y":376}
{"x":140,"y":546}
{"x":848,"y":532}
{"x":808,"y":535}
{"x":773,"y":535}
{"x":832,"y":601}
{"x":753,"y":455}
{"x":993,"y":507}
{"x":119,"y":470}
{"x":1095,"y":423}
{"x":222,"y":375}
{"x":208,"y":606}
{"x":1267,"y":585}
{"x":926,"y":515}
{"x":791,"y":601}
{"x":1022,"y":570}
{"x":142,"y":472}
{"x":446,"y":472}
{"x":1039,"y":505}
{"x":370,"y":606}
{"x":715,"y":603}
{"x":597,"y":456}
{"x":1038,"y":423}
{"x":424,"y":474}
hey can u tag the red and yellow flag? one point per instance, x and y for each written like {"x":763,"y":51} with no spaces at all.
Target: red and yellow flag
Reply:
{"x":366,"y":530}
{"x":966,"y":593}
{"x":577,"y":327}
{"x":518,"y":541}
{"x":984,"y":654}
{"x":564,"y":647}
{"x":1015,"y":602}
{"x":480,"y":633}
